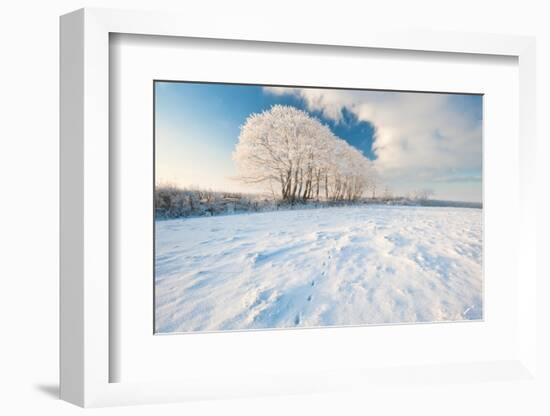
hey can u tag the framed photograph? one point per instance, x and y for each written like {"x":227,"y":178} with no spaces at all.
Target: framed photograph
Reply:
{"x":321,"y":202}
{"x":296,"y":207}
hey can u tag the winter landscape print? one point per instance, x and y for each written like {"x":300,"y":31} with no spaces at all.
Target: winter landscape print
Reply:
{"x":290,"y":207}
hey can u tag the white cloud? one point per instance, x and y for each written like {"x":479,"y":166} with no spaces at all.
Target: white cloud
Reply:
{"x":418,"y":136}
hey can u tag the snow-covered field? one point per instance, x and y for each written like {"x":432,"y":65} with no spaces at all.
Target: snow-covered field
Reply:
{"x":319,"y":267}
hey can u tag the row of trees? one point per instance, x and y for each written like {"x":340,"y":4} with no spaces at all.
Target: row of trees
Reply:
{"x":300,"y":159}
{"x":172,"y":201}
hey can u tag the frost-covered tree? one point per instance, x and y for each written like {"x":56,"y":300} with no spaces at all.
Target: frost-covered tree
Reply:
{"x":423,"y":194}
{"x":374,"y":185}
{"x":387,"y":195}
{"x":286,"y":148}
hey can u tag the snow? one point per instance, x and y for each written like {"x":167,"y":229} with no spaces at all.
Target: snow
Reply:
{"x":318,"y":267}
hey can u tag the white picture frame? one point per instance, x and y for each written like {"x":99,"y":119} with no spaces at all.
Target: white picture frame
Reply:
{"x":85,"y":353}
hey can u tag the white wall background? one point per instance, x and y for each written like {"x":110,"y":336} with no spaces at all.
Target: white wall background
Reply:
{"x":29,"y":206}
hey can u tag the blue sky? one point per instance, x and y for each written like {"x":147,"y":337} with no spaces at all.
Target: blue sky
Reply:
{"x":411,"y":137}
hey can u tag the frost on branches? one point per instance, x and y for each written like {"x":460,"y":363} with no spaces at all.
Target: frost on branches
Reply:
{"x":300,"y":159}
